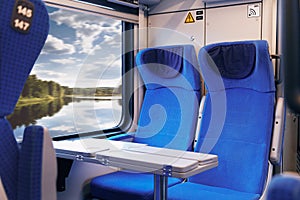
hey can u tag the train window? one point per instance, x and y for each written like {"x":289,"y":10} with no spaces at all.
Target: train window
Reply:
{"x":76,"y":83}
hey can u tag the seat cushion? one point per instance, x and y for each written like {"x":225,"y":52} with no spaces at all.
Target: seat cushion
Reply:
{"x":126,"y":185}
{"x":191,"y":191}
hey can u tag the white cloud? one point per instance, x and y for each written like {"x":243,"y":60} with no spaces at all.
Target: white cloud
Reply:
{"x":95,"y":37}
{"x":38,"y":65}
{"x":64,"y":79}
{"x":66,"y":61}
{"x":91,"y":30}
{"x":63,"y":128}
{"x":110,"y":82}
{"x":94,"y":68}
{"x":50,"y":73}
{"x":55,"y":45}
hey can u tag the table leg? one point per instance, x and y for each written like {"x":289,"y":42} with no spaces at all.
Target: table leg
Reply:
{"x":160,"y":187}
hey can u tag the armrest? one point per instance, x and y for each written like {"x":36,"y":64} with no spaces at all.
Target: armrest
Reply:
{"x":278,"y":129}
{"x":200,"y":114}
{"x":128,"y":137}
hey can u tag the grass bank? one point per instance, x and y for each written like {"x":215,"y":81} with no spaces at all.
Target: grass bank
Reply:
{"x":29,"y":101}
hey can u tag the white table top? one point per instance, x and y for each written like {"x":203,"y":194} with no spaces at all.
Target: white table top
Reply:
{"x":90,"y":146}
{"x":136,"y":157}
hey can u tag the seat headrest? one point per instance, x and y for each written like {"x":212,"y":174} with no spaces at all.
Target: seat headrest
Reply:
{"x":243,"y":64}
{"x":23,"y":31}
{"x":234,"y":61}
{"x":160,"y":58}
{"x":169,"y":66}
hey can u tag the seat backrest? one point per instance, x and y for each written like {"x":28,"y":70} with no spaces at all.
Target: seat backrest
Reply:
{"x":169,"y":110}
{"x":37,"y":165}
{"x":23,"y":31}
{"x":247,"y":91}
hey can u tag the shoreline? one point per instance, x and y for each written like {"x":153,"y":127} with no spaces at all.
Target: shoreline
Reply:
{"x":32,"y":101}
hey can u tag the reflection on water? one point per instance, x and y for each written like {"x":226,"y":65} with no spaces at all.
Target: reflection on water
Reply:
{"x":28,"y":114}
{"x":64,"y":116}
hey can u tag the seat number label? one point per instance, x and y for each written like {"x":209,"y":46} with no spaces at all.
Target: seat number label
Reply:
{"x":22,"y":16}
{"x":23,"y":10}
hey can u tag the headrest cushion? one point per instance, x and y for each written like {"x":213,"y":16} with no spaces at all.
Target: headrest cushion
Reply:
{"x":240,"y":64}
{"x":234,"y":61}
{"x":169,"y":66}
{"x":164,"y":62}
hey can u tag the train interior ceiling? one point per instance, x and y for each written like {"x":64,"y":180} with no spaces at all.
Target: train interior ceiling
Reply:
{"x":90,"y":81}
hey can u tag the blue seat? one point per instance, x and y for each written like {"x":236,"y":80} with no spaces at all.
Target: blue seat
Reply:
{"x":23,"y":31}
{"x":236,"y":124}
{"x":284,"y":187}
{"x":168,"y":116}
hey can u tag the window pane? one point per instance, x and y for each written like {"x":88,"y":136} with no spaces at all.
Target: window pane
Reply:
{"x":75,"y":85}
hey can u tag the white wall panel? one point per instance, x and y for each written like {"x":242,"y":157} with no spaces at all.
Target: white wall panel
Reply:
{"x":168,"y":29}
{"x":176,"y":5}
{"x":232,"y":23}
{"x":214,"y":3}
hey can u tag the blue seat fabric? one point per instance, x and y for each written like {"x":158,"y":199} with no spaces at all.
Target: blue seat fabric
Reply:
{"x":31,"y":155}
{"x":244,"y":143}
{"x":126,"y":185}
{"x":18,"y":52}
{"x":9,"y":154}
{"x":190,"y":191}
{"x":166,"y":120}
{"x":165,"y":116}
{"x":284,"y":187}
{"x":241,"y":148}
{"x":168,"y":116}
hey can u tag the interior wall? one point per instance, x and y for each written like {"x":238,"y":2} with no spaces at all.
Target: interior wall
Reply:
{"x":232,"y":23}
{"x":168,"y":29}
{"x":221,"y":21}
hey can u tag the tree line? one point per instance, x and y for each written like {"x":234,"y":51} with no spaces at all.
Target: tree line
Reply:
{"x":37,"y":88}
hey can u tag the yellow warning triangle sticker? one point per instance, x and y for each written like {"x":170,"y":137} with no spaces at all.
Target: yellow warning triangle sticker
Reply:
{"x":189,"y":18}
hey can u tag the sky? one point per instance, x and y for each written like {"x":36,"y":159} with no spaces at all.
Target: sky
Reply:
{"x":81,"y":50}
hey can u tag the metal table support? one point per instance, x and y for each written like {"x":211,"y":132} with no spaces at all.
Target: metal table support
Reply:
{"x":160,"y":187}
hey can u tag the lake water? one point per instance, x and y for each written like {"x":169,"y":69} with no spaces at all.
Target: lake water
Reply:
{"x":66,"y":116}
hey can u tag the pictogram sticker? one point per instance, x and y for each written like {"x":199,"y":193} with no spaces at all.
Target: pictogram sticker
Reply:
{"x":189,"y":18}
{"x":254,"y":10}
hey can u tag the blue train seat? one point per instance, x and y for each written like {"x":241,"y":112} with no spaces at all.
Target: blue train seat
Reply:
{"x":23,"y":31}
{"x":168,"y":116}
{"x":284,"y":187}
{"x":237,"y":122}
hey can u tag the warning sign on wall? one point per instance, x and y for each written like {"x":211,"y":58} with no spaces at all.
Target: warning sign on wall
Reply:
{"x":189,"y":18}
